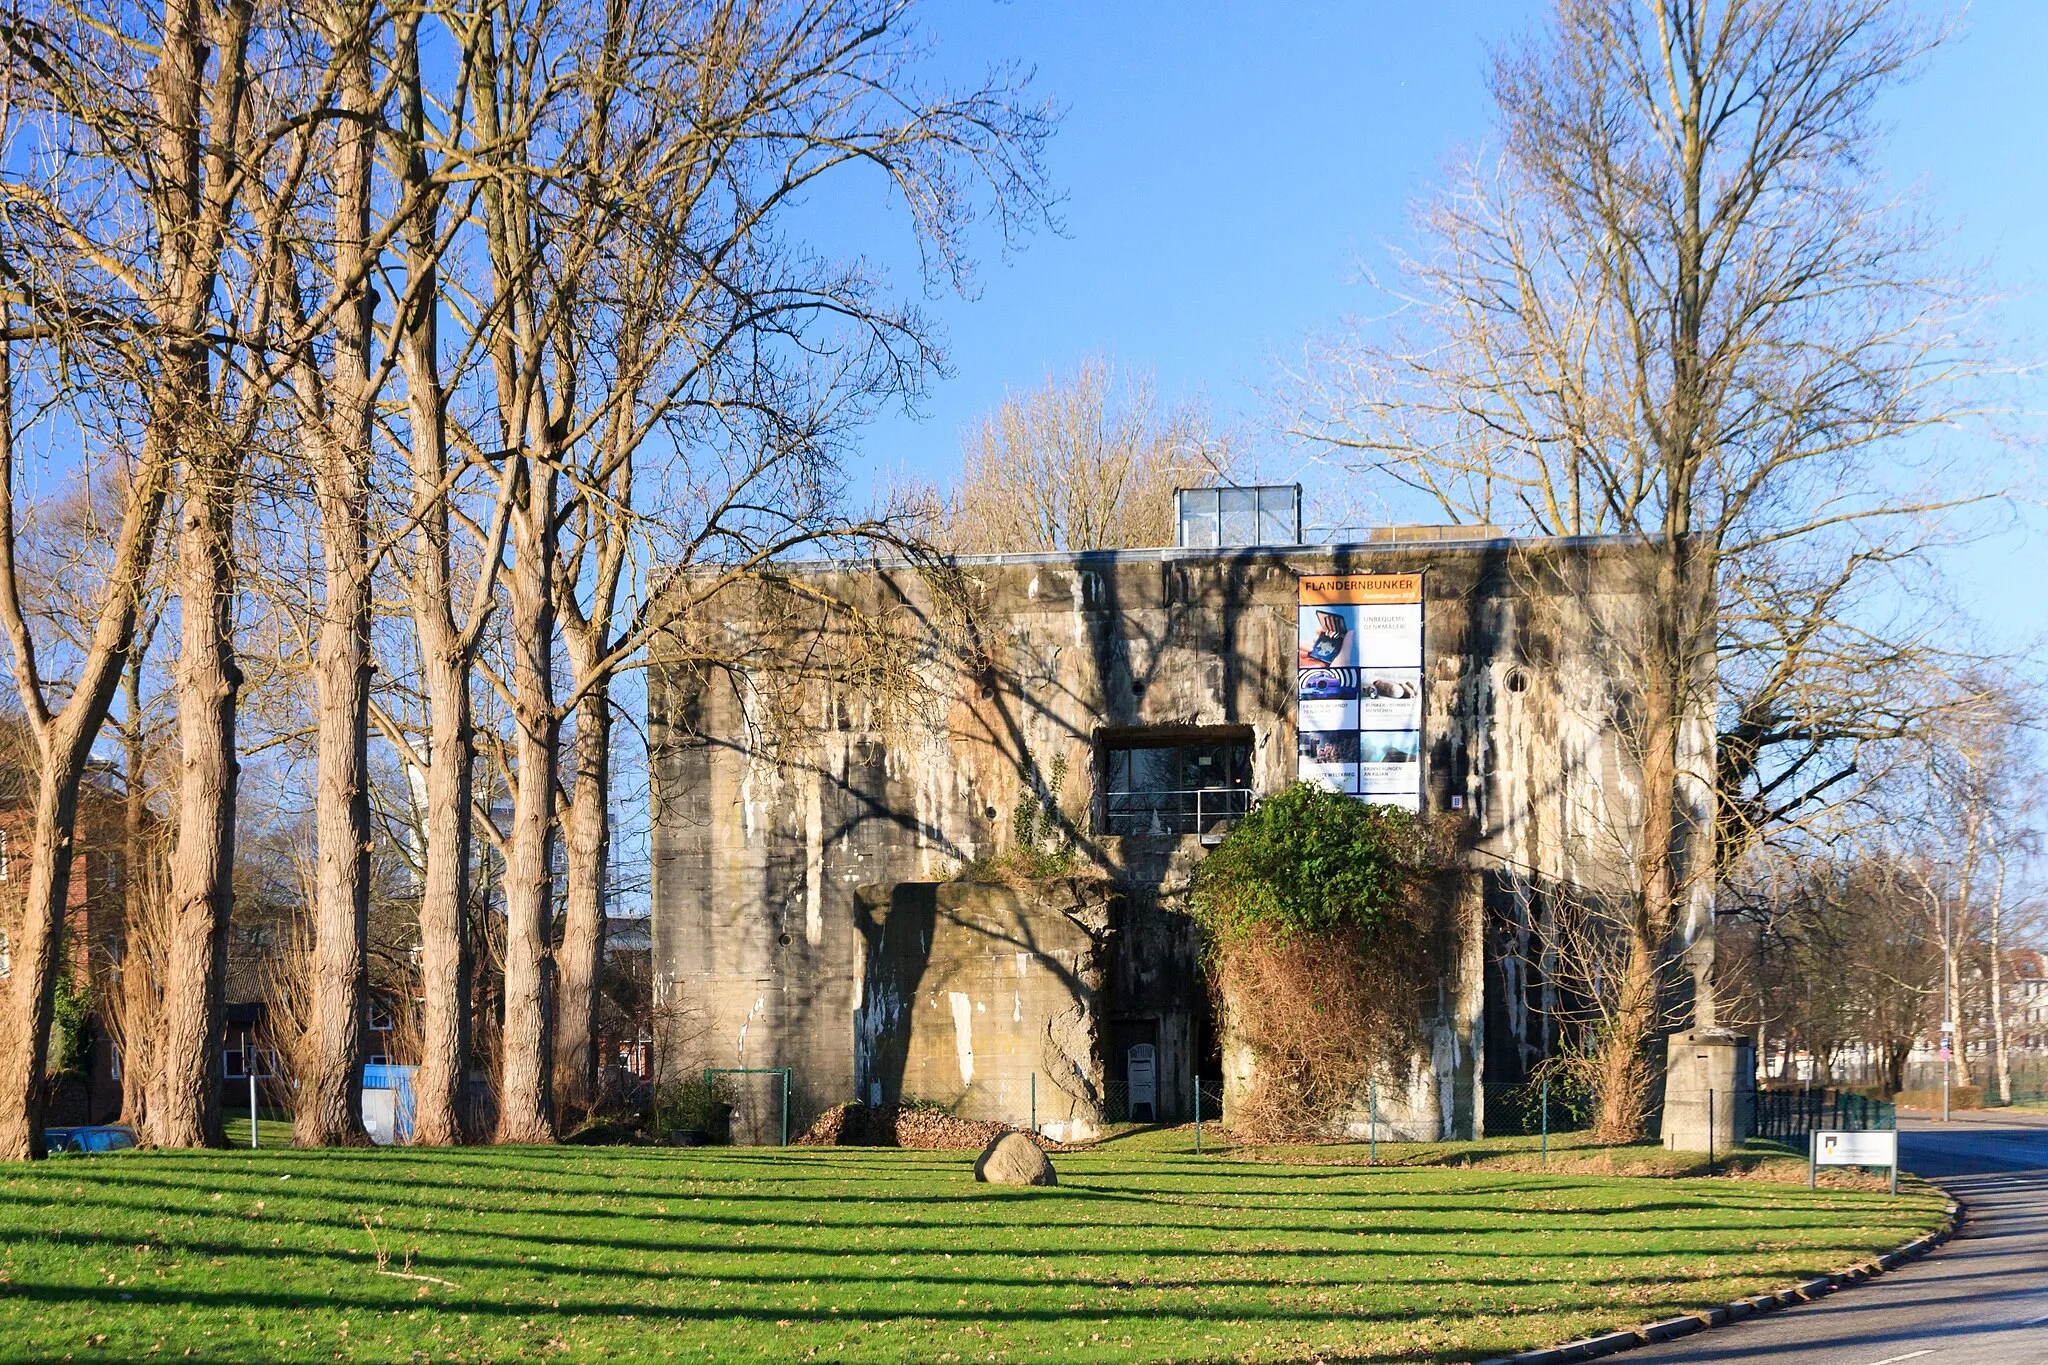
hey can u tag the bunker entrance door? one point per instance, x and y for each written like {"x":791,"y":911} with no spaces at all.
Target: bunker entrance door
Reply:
{"x":1134,"y":1088}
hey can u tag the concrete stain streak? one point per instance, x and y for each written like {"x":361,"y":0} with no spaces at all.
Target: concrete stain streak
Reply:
{"x":814,"y":860}
{"x":963,"y":1034}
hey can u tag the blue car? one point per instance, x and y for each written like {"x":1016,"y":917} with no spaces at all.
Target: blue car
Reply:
{"x":96,"y":1137}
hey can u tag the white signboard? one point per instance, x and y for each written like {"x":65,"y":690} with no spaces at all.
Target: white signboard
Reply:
{"x":1855,"y":1149}
{"x":1358,"y":698}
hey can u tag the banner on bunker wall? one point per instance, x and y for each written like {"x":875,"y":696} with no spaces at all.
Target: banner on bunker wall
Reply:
{"x":1358,"y":697}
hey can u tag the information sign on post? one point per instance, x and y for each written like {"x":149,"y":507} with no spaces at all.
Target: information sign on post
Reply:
{"x":1833,"y":1147}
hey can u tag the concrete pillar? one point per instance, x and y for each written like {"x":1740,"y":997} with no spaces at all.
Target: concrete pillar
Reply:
{"x":1708,"y":1071}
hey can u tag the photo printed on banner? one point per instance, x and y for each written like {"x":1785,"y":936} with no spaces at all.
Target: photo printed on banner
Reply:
{"x":1329,"y":637}
{"x":1330,"y":758}
{"x":1359,"y":694}
{"x":1390,"y":699}
{"x":1328,"y":699}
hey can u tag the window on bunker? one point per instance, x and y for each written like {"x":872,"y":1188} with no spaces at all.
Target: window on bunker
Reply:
{"x":1168,"y":784}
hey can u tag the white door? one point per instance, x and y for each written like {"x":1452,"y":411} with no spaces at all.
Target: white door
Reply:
{"x":1144,"y":1081}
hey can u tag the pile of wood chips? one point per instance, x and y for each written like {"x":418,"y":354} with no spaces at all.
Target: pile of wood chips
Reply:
{"x":920,"y":1126}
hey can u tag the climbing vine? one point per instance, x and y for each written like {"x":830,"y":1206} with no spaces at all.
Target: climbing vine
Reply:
{"x":1041,"y":843}
{"x":71,"y":1038}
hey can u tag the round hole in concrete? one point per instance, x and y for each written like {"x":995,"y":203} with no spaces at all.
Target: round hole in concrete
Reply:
{"x":1517,"y":680}
{"x":784,"y":939}
{"x":989,"y":814}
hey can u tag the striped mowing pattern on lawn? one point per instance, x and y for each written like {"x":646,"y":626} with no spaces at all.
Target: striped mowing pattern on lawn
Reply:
{"x":642,"y":1254}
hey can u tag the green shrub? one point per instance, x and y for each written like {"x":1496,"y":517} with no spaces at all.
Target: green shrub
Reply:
{"x":1014,"y":866}
{"x":1519,"y":1110}
{"x":1307,"y":860}
{"x":1041,"y":845}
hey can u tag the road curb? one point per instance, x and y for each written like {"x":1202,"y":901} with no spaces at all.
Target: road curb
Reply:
{"x":1736,"y":1310}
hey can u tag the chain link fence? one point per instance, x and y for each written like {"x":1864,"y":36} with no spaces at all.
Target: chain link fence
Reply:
{"x":1531,"y":1108}
{"x":1116,"y":1105}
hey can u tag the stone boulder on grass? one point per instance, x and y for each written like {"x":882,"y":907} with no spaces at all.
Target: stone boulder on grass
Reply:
{"x":1014,"y":1159}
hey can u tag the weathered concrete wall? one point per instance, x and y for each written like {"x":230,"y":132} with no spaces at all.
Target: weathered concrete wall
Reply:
{"x":776,"y":799}
{"x":984,"y":999}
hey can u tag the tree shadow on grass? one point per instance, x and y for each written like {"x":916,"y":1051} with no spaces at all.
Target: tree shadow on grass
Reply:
{"x":1160,"y":1319}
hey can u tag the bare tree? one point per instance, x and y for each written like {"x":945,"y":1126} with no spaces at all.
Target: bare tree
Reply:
{"x":1674,"y":307}
{"x":1830,"y":955}
{"x":727,"y":364}
{"x":447,"y":634}
{"x":335,"y":415}
{"x":120,"y":224}
{"x":1088,"y":462}
{"x":1963,"y":827}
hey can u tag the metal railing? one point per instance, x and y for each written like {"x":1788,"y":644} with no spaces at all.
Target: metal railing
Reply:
{"x":1792,"y":1114}
{"x":1191,"y":811}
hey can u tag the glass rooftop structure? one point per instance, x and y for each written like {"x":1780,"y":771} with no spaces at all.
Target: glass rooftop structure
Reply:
{"x":1233,"y":518}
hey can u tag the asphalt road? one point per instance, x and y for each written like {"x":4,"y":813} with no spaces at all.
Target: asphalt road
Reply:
{"x":1980,"y":1300}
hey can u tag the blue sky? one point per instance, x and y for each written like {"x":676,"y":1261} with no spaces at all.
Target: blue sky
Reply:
{"x":1231,"y":170}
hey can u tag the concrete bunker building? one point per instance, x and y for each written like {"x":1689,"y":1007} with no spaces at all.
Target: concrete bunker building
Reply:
{"x":807,"y":911}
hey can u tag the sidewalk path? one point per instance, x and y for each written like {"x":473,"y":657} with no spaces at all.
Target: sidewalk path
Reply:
{"x":1980,"y":1300}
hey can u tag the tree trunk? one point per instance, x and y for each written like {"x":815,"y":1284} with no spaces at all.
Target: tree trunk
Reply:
{"x":135,"y":852}
{"x":184,"y":1102}
{"x":33,"y":981}
{"x":518,"y":347}
{"x":582,"y":955}
{"x":330,"y":1102}
{"x":440,"y":1091}
{"x":527,"y":1104}
{"x":2001,"y":1062}
{"x":329,"y":1106}
{"x":63,"y":747}
{"x":197,"y":86}
{"x":184,"y":1099}
{"x":441,"y":1110}
{"x":1625,"y":1044}
{"x":1623,"y":1060}
{"x":1959,"y":1073}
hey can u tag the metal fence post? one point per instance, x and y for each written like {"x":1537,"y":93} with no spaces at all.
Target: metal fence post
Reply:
{"x":1372,"y":1126}
{"x":1198,"y":1115}
{"x":786,"y":1072}
{"x":1546,"y":1120}
{"x":1034,"y":1101}
{"x":1710,"y":1130}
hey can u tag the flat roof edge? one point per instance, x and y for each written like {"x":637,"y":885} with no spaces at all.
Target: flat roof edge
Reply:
{"x":1176,"y":553}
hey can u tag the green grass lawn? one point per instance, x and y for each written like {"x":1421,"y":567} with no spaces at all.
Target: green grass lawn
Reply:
{"x":1142,"y":1253}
